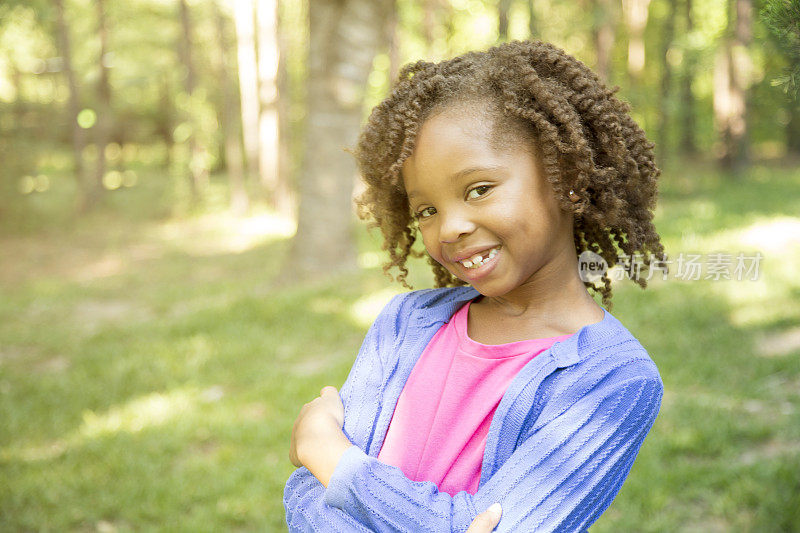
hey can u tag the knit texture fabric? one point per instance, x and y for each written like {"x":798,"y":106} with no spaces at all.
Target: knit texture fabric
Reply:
{"x":560,"y":444}
{"x":438,"y":430}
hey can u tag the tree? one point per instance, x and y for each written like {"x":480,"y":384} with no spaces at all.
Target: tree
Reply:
{"x":104,"y":119}
{"x":503,"y":7}
{"x":731,"y":84}
{"x":73,"y":102}
{"x":273,"y":180}
{"x":229,"y":123}
{"x":344,"y":37}
{"x":197,"y":167}
{"x":664,"y":114}
{"x":688,"y":146}
{"x":603,"y":36}
{"x":636,"y":19}
{"x":248,"y":80}
{"x":782,"y":17}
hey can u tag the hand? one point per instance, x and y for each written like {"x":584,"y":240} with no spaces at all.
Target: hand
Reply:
{"x":318,"y":441}
{"x":487,"y":520}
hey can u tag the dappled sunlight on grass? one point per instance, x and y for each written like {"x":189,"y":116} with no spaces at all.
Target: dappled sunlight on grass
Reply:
{"x":145,"y":412}
{"x":151,"y":410}
{"x":364,"y":310}
{"x":773,"y":295}
{"x":222,"y":232}
{"x":773,"y":235}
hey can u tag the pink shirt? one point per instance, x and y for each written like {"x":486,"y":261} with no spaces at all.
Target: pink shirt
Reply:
{"x":441,"y":420}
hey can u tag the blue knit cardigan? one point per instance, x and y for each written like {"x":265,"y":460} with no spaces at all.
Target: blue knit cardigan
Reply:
{"x":560,"y":444}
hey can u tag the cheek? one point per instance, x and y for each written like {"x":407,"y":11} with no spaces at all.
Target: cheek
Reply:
{"x":430,"y":242}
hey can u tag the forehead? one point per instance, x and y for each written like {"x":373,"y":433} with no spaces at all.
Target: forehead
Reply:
{"x":450,"y":140}
{"x":462,"y":136}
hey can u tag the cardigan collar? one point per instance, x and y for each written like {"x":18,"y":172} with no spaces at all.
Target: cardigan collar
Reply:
{"x":441,"y":304}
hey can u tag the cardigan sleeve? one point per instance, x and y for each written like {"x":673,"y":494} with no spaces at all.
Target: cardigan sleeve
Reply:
{"x":561,"y":478}
{"x":303,"y":496}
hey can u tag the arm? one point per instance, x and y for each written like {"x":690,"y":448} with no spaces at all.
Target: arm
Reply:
{"x":561,"y":478}
{"x":303,"y":495}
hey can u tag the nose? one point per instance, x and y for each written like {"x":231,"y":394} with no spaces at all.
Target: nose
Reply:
{"x":454,"y":224}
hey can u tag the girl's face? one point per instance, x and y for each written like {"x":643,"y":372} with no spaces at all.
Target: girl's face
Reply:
{"x":489,"y":217}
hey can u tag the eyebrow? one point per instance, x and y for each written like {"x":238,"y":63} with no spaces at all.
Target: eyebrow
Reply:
{"x":464,"y":172}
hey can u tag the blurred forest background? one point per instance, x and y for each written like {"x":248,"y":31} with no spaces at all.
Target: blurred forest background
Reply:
{"x":181,"y":268}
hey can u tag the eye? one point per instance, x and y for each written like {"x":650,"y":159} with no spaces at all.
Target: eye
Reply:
{"x":480,"y":190}
{"x":422,"y":214}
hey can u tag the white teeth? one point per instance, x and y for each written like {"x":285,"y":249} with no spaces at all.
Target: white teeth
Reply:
{"x":476,"y":261}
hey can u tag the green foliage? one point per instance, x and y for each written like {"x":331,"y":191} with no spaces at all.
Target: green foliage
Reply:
{"x":782,"y":17}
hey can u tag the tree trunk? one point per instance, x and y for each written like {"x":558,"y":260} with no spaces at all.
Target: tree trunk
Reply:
{"x":429,"y":8}
{"x":636,"y":20}
{"x":603,"y":36}
{"x":286,"y":197}
{"x":740,"y":77}
{"x":248,"y":80}
{"x":165,"y":121}
{"x":103,"y":126}
{"x":664,"y":114}
{"x":344,"y":37}
{"x":533,"y":30}
{"x":73,"y":104}
{"x":198,"y":170}
{"x":392,"y":26}
{"x":793,"y":128}
{"x":269,"y":138}
{"x":688,"y":145}
{"x":229,"y":115}
{"x":503,"y":7}
{"x":731,"y":80}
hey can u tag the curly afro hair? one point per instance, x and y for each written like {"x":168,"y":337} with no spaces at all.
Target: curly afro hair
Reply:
{"x":587,"y":141}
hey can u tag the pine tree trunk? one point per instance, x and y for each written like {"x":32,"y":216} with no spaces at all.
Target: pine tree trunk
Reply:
{"x":731,"y":83}
{"x":104,"y":120}
{"x":286,"y":197}
{"x":533,"y":30}
{"x":248,"y":81}
{"x":636,"y":12}
{"x":793,"y":128}
{"x":664,"y":116}
{"x":73,"y":103}
{"x":345,"y":35}
{"x":231,"y":135}
{"x":741,"y":78}
{"x":197,"y":169}
{"x":267,"y":39}
{"x":392,"y":27}
{"x":603,"y":36}
{"x":688,"y":145}
{"x":503,"y":7}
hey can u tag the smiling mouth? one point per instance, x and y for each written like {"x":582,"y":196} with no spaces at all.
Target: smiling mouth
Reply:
{"x":478,"y":260}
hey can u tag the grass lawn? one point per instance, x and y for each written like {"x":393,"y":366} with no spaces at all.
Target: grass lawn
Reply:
{"x":150,"y":373}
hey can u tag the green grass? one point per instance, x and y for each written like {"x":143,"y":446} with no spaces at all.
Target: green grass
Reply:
{"x":150,"y":373}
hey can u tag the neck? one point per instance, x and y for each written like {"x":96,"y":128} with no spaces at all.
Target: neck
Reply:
{"x":555,"y":293}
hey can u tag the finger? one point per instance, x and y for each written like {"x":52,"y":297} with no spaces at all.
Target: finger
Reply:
{"x":328,"y":389}
{"x":487,"y":520}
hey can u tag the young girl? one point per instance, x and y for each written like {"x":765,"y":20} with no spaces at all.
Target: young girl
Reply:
{"x":507,"y":383}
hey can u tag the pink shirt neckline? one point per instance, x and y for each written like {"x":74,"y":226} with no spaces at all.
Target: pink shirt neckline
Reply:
{"x":497,"y":351}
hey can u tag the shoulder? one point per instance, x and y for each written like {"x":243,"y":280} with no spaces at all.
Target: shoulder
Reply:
{"x":610,"y":365}
{"x":428,"y":300}
{"x":609,"y":347}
